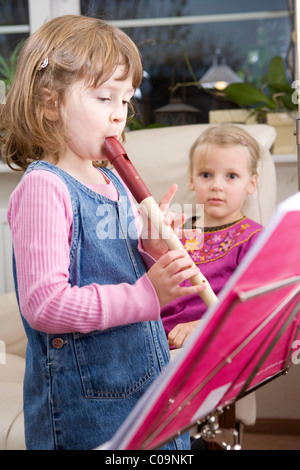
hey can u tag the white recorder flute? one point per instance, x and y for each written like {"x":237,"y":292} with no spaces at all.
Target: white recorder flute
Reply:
{"x":118,"y":157}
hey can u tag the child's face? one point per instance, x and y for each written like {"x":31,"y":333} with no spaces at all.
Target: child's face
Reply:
{"x":92,"y":114}
{"x":221,"y":180}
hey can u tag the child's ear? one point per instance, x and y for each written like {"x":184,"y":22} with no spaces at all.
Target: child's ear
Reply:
{"x":50,"y":99}
{"x":252,"y":184}
{"x":192,"y":186}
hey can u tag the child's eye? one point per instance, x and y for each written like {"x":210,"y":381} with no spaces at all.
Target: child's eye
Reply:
{"x":103,"y":99}
{"x":232,"y":176}
{"x":205,"y":174}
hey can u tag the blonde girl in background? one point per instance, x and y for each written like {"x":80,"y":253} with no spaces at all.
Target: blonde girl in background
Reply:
{"x":223,"y":173}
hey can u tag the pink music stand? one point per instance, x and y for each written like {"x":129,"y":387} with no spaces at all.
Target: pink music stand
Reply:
{"x":244,"y":341}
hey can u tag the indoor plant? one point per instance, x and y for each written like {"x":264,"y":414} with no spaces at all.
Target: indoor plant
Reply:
{"x":7,"y":70}
{"x":271,"y":104}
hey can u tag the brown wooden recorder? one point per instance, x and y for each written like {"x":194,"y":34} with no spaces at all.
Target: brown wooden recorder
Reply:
{"x":118,"y":157}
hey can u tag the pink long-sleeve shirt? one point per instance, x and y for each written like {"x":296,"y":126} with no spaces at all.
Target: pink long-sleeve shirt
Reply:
{"x":40,"y":217}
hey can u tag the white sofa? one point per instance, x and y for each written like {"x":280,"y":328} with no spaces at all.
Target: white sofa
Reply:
{"x":161,"y":157}
{"x":12,"y":367}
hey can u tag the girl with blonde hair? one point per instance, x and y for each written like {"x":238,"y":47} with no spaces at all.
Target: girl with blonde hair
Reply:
{"x":223,"y":173}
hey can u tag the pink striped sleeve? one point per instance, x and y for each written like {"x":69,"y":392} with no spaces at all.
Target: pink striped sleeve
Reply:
{"x":40,"y":217}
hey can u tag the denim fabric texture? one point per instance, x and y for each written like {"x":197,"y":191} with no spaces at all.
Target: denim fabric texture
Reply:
{"x":79,"y":388}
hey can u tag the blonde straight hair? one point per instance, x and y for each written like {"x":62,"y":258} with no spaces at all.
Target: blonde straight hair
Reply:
{"x":226,"y":135}
{"x":65,"y":50}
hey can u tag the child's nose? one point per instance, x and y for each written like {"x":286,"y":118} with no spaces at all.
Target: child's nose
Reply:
{"x":217,"y":183}
{"x":119,"y":113}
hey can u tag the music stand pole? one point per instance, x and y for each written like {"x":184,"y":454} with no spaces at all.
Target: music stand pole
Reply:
{"x":298,"y":147}
{"x":297,"y":15}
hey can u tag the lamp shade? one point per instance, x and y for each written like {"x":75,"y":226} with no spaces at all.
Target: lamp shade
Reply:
{"x":219,"y":76}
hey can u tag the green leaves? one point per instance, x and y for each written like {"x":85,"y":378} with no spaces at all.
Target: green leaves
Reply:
{"x":245,"y":94}
{"x":275,"y":94}
{"x":276,"y":71}
{"x":8,"y":67}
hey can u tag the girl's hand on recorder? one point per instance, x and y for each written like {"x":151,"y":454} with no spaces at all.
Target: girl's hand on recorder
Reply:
{"x":151,"y":240}
{"x":169,"y":272}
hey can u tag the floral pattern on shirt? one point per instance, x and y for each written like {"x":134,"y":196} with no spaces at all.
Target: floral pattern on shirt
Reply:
{"x":213,"y":245}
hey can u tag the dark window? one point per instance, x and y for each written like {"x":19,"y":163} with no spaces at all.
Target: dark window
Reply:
{"x":246,"y":36}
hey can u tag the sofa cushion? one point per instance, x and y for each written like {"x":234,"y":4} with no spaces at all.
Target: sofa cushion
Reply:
{"x":12,"y":332}
{"x":13,"y":369}
{"x":12,"y":421}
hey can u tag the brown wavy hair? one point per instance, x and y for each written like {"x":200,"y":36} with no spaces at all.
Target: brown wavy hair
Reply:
{"x":76,"y":48}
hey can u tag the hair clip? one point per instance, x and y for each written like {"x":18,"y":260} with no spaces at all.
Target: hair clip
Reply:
{"x":43,"y":64}
{"x":242,"y":141}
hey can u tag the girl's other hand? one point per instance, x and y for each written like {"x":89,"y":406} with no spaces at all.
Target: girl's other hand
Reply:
{"x":180,"y":333}
{"x":169,"y":272}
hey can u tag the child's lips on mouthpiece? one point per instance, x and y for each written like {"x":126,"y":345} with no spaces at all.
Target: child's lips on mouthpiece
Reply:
{"x":115,"y":136}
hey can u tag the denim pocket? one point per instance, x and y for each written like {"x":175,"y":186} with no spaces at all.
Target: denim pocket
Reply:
{"x":115,"y":363}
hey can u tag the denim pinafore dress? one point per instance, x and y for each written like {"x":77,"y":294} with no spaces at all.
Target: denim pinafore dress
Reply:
{"x":79,"y":388}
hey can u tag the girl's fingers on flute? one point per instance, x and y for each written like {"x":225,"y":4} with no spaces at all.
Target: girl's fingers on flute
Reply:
{"x":161,"y":275}
{"x":169,"y":218}
{"x":179,"y":222}
{"x":167,"y":292}
{"x":184,"y":274}
{"x":167,"y":198}
{"x":172,"y":259}
{"x":190,"y":290}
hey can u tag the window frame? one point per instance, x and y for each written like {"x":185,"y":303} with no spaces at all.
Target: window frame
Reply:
{"x":41,"y":11}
